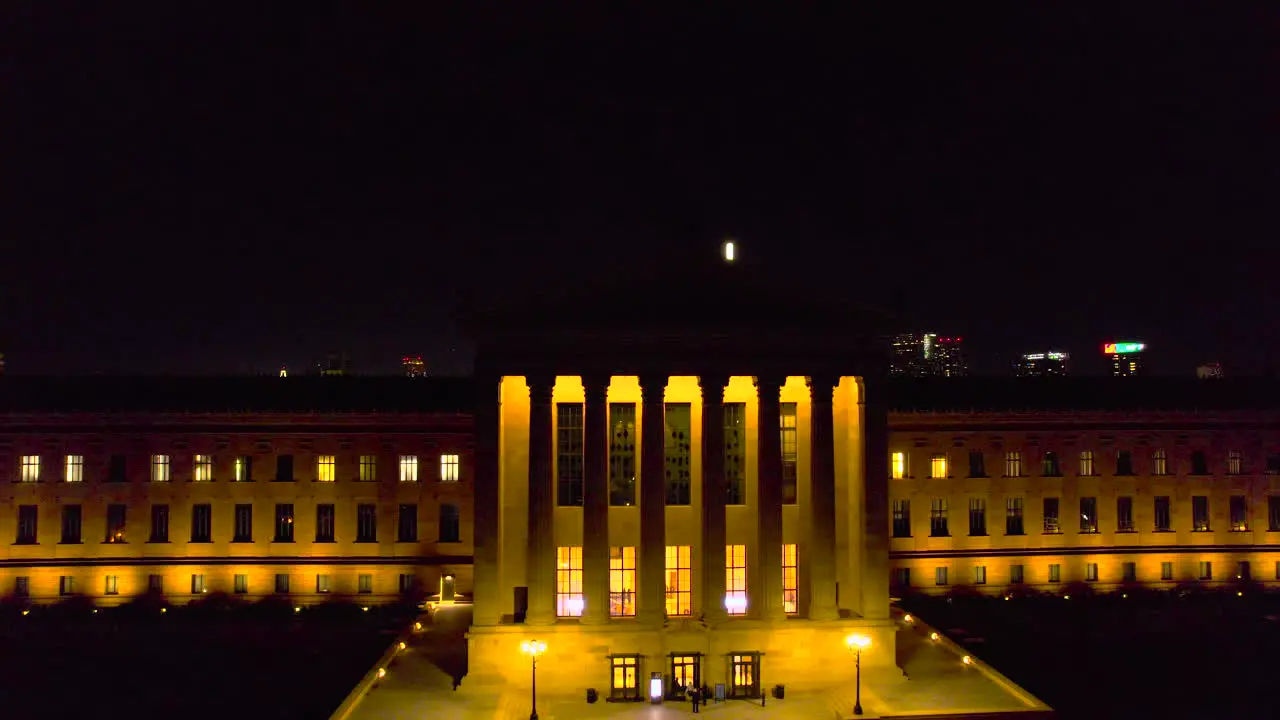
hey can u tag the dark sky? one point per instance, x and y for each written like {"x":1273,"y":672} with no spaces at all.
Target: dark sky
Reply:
{"x":213,"y":188}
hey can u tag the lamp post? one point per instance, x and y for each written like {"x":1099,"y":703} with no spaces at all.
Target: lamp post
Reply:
{"x":857,"y":643}
{"x":534,"y":648}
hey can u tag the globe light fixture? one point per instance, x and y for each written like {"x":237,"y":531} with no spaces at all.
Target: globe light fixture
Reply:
{"x":857,"y":643}
{"x":533,"y":648}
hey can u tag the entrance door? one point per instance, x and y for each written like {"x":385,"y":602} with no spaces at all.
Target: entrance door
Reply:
{"x":744,"y":675}
{"x":625,"y":681}
{"x":684,"y":672}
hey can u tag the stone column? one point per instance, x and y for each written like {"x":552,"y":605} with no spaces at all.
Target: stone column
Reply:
{"x":487,"y":594}
{"x":541,"y":557}
{"x":766,"y":584}
{"x":822,"y":500}
{"x":651,"y":603}
{"x":714,"y":494}
{"x":875,"y":550}
{"x":595,"y":500}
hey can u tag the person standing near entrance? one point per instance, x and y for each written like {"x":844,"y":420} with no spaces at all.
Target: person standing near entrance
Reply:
{"x":695,"y":695}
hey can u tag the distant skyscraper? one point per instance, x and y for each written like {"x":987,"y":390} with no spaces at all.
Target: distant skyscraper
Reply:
{"x":1204,"y":370}
{"x":1126,"y":357}
{"x":1042,"y":364}
{"x":927,"y":355}
{"x":414,"y":367}
{"x":336,"y":364}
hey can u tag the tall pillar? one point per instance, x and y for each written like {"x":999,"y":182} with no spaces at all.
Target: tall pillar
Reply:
{"x":487,"y":600}
{"x":766,"y":583}
{"x":714,"y":494}
{"x":651,"y":605}
{"x":595,"y":500}
{"x":822,"y":500}
{"x":541,"y":556}
{"x":875,"y":550}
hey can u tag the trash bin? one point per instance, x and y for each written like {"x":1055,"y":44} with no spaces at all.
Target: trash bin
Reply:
{"x":591,"y":695}
{"x":779,"y":691}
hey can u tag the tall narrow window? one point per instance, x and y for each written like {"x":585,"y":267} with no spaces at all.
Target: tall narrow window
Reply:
{"x":407,"y":523}
{"x":1163,"y":521}
{"x":1013,"y":463}
{"x":112,"y":585}
{"x":938,"y":518}
{"x":1206,"y":570}
{"x":71,"y":524}
{"x":1049,"y":465}
{"x":1088,"y":514}
{"x":244,"y":469}
{"x":115,"y":523}
{"x":75,"y":468}
{"x":1129,"y":572}
{"x":366,"y":523}
{"x":898,"y":465}
{"x":938,"y":466}
{"x":66,"y":585}
{"x":326,"y":468}
{"x":364,"y":583}
{"x":1124,"y":513}
{"x":622,"y":454}
{"x":282,"y":583}
{"x":1124,"y":462}
{"x":197,"y":584}
{"x":284,"y":470}
{"x":202,"y":468}
{"x":1055,"y":573}
{"x":790,"y":471}
{"x":201,"y":523}
{"x":116,"y":469}
{"x":1273,"y":514}
{"x":159,"y":524}
{"x":368,"y":468}
{"x":735,"y":579}
{"x":678,"y":453}
{"x":1199,"y":462}
{"x":450,"y":526}
{"x":1051,"y":524}
{"x":980,"y":575}
{"x":243,"y":531}
{"x":679,"y":586}
{"x":902,"y":518}
{"x":28,"y":517}
{"x":790,"y":579}
{"x":569,"y":600}
{"x":159,"y":468}
{"x":450,"y":468}
{"x":624,"y":683}
{"x":1086,"y":463}
{"x":1239,"y":514}
{"x":323,"y":586}
{"x":1160,"y":462}
{"x":30,"y":468}
{"x":325,"y":523}
{"x":284,"y":522}
{"x":735,"y":452}
{"x":940,"y":576}
{"x":1235,"y":462}
{"x":622,"y":581}
{"x":1200,"y":513}
{"x":977,"y":516}
{"x":1091,"y":572}
{"x":1166,"y":570}
{"x":408,"y":468}
{"x":569,"y":454}
{"x":1013,"y":524}
{"x":977,"y":464}
{"x":1015,"y":574}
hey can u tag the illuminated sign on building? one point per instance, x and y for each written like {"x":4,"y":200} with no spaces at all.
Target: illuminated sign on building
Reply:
{"x":1123,"y":348}
{"x":1042,"y":356}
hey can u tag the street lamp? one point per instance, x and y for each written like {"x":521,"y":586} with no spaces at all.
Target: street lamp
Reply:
{"x":534,"y":648}
{"x":857,"y":643}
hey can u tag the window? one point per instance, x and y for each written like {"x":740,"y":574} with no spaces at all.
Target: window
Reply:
{"x":1163,"y":521}
{"x":1239,"y":514}
{"x":624,"y":680}
{"x":364,"y":583}
{"x":977,"y":516}
{"x":408,"y":468}
{"x":201,"y":523}
{"x":569,"y":454}
{"x":677,"y":453}
{"x":159,"y":468}
{"x":1166,"y":570}
{"x":790,"y":579}
{"x":407,"y":583}
{"x":115,"y":523}
{"x":1051,"y":525}
{"x":977,"y":464}
{"x":1086,"y":463}
{"x":902,"y":518}
{"x":450,"y":526}
{"x":622,"y":454}
{"x":1049,"y":465}
{"x":1013,"y":464}
{"x":938,"y":518}
{"x":326,"y":468}
{"x":407,"y":523}
{"x":66,"y":585}
{"x":1015,"y":574}
{"x":790,"y":443}
{"x":1091,"y":572}
{"x":202,"y":470}
{"x":1128,"y":572}
{"x":980,"y":575}
{"x":940,"y":576}
{"x":244,"y":469}
{"x":284,"y":523}
{"x":1273,"y":464}
{"x":27,"y":519}
{"x":1159,"y":462}
{"x":197,"y":584}
{"x":679,"y":581}
{"x":622,"y":581}
{"x":116,"y":469}
{"x":569,"y":600}
{"x":898,"y":463}
{"x":938,"y":466}
{"x":1088,"y":514}
{"x":1199,"y":463}
{"x":735,"y":579}
{"x":75,"y":468}
{"x":322,"y":584}
{"x":684,"y":671}
{"x":1206,"y":570}
{"x":1013,"y":516}
{"x":450,"y":468}
{"x":282,"y":583}
{"x":902,"y":578}
{"x":243,"y":531}
{"x":366,"y":523}
{"x":1273,"y":513}
{"x":1055,"y":573}
{"x":325,"y":523}
{"x":71,"y":524}
{"x":159,"y":524}
{"x":1235,"y":462}
{"x":1124,"y":462}
{"x":745,"y":678}
{"x":735,"y":452}
{"x":1124,"y":514}
{"x":30,"y":468}
{"x":284,"y":468}
{"x":368,"y":468}
{"x":241,"y":585}
{"x":1200,"y":513}
{"x":22,"y":586}
{"x":155,"y":584}
{"x":1243,"y":572}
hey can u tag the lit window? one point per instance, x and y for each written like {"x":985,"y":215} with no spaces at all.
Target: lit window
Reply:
{"x":1239,"y":511}
{"x":1086,"y":463}
{"x":30,"y":468}
{"x":197,"y":584}
{"x":735,"y":579}
{"x":899,"y":465}
{"x":1159,"y":463}
{"x":241,"y":584}
{"x":203,"y":468}
{"x":569,"y":600}
{"x":112,"y":586}
{"x":679,"y":580}
{"x":1091,"y":572}
{"x":938,"y":466}
{"x":980,"y":575}
{"x":622,"y":581}
{"x":408,"y":468}
{"x":326,"y":468}
{"x":75,"y":468}
{"x":244,"y":464}
{"x":1055,"y":573}
{"x":159,"y":468}
{"x":625,"y":683}
{"x":1235,"y":462}
{"x":788,"y":419}
{"x":322,"y":584}
{"x":450,"y":467}
{"x":1013,"y":464}
{"x":790,"y":580}
{"x":368,"y":468}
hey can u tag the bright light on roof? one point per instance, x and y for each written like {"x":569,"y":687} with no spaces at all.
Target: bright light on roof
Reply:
{"x":730,"y":251}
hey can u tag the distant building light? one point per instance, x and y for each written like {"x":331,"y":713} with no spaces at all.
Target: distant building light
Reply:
{"x":1123,"y":348}
{"x":284,"y":371}
{"x":730,"y":251}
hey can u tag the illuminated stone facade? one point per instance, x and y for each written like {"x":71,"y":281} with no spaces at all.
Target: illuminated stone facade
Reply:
{"x":255,"y":487}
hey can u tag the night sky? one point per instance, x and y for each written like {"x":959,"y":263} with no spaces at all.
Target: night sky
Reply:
{"x":197,"y":188}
